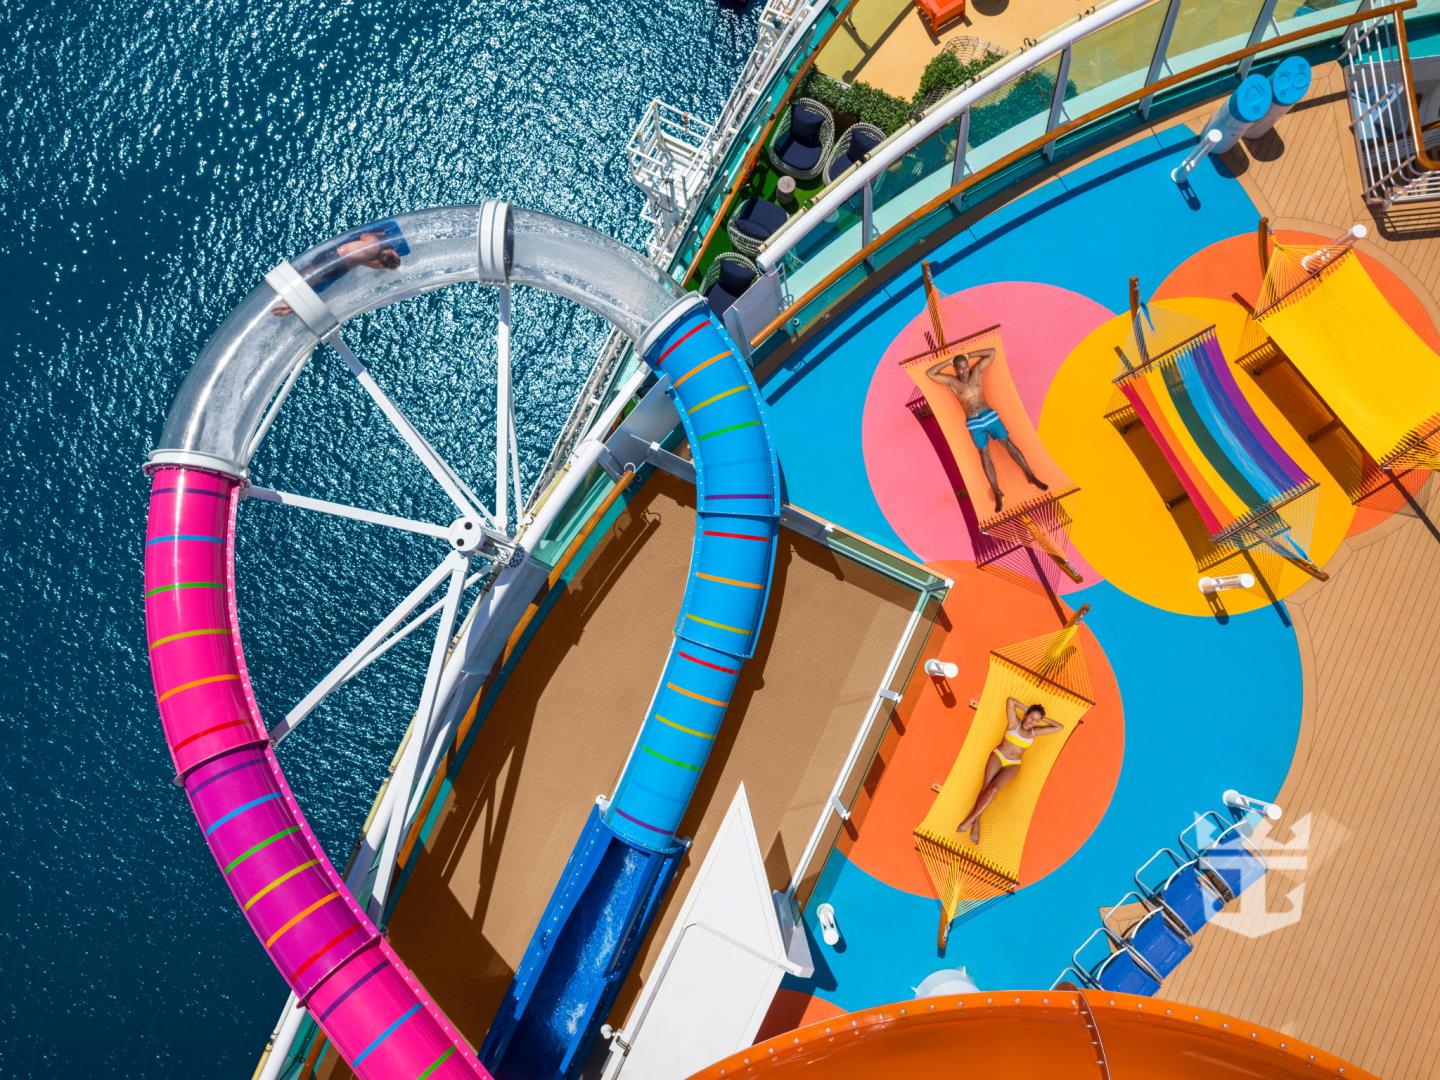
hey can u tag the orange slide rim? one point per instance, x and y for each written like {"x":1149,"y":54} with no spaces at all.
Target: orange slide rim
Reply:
{"x":826,"y":1039}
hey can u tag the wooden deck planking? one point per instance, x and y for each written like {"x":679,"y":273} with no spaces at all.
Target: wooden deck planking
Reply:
{"x":562,"y":727}
{"x":1307,"y":176}
{"x":1356,"y":972}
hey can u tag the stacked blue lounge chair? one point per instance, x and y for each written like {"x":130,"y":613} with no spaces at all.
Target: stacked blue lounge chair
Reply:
{"x":1178,"y":894}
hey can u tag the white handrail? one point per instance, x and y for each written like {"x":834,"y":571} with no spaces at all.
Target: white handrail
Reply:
{"x":798,"y":227}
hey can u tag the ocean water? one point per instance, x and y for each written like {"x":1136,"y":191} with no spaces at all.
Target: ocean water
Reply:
{"x":160,"y":156}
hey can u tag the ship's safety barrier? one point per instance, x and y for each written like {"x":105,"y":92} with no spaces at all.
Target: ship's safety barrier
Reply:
{"x":1385,"y":114}
{"x":1125,"y":63}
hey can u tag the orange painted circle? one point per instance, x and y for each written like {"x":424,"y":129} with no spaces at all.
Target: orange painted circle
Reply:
{"x":983,"y":611}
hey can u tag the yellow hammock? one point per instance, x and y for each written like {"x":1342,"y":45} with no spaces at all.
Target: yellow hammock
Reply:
{"x":1050,"y":671}
{"x":1379,"y":378}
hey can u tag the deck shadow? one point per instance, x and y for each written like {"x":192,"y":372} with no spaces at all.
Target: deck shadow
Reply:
{"x":556,"y":731}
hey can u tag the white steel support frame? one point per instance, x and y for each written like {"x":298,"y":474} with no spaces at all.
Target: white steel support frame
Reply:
{"x":505,"y":459}
{"x":404,"y":779}
{"x":783,"y":23}
{"x":476,"y":533}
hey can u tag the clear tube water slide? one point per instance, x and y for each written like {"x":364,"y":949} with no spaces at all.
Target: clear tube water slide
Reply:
{"x":340,"y":967}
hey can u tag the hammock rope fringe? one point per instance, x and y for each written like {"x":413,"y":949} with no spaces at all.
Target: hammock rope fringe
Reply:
{"x":1250,"y":494}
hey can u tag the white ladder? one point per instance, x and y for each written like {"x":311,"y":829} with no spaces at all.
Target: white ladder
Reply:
{"x":673,"y":154}
{"x":1379,"y":86}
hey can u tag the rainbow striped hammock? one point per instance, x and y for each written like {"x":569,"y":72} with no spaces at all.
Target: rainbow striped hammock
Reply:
{"x":1250,"y":494}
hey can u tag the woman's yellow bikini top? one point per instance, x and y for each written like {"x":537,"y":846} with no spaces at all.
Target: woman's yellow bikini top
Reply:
{"x":1018,"y":740}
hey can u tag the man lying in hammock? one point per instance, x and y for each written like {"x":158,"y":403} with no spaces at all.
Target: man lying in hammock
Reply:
{"x":1022,"y":727}
{"x":964,"y":377}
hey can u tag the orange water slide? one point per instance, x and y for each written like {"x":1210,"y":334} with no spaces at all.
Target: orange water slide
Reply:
{"x":1055,"y":1034}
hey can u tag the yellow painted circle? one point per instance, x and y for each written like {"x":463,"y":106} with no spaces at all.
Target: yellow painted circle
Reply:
{"x":1122,"y":525}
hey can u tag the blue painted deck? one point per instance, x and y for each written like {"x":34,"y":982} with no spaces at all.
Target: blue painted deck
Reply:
{"x":1189,"y":734}
{"x":1121,"y":212}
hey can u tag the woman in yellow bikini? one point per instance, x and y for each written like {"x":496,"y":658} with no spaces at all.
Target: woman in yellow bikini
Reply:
{"x":1022,"y":727}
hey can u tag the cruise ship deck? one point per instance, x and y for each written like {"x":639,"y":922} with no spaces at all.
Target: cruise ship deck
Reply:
{"x":1281,"y":695}
{"x":1282,"y":700}
{"x":1183,"y":520}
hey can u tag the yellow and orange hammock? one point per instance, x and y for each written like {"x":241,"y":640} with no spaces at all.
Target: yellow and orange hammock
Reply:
{"x":1029,"y":517}
{"x":1250,"y":494}
{"x":1321,"y":309}
{"x":1048,"y":670}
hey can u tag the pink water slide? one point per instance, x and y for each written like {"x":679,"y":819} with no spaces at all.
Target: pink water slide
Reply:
{"x":368,"y":1003}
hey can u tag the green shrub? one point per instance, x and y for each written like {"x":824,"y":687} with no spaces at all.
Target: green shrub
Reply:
{"x":861,"y":101}
{"x":857,"y":101}
{"x":947,"y":72}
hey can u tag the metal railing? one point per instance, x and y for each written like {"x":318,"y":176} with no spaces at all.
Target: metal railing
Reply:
{"x":692,"y":172}
{"x":868,"y":740}
{"x":669,"y":154}
{"x":1395,"y":166}
{"x":789,"y":32}
{"x":1098,"y":76}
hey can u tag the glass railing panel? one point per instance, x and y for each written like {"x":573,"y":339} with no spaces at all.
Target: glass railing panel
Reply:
{"x":572,"y":516}
{"x":999,"y":181}
{"x":916,"y":178}
{"x":1292,"y":15}
{"x":1113,"y":61}
{"x":1205,"y":29}
{"x":829,"y":243}
{"x":1011,"y":115}
{"x":904,"y":241}
{"x":827,"y":298}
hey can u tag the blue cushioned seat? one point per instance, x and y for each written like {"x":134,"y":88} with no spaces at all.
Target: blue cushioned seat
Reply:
{"x":1160,"y":945}
{"x":1123,"y":973}
{"x":1187,"y":893}
{"x":759,"y":219}
{"x":732,"y":278}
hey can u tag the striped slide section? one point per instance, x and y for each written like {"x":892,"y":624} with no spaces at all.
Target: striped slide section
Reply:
{"x":356,"y":987}
{"x":731,"y":564}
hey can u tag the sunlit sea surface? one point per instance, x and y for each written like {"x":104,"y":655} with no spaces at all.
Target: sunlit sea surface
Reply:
{"x":159,"y":158}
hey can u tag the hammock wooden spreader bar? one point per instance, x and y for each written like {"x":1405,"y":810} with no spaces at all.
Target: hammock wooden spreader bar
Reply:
{"x":1321,"y":309}
{"x":1249,"y":492}
{"x":1048,"y":670}
{"x":1028,"y":516}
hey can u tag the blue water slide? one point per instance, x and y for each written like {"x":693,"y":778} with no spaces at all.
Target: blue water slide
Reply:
{"x":628,"y":852}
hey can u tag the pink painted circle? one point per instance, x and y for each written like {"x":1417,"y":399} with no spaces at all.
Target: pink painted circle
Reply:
{"x":914,"y":480}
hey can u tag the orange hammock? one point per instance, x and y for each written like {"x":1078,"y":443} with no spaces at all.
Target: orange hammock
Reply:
{"x":1028,"y":516}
